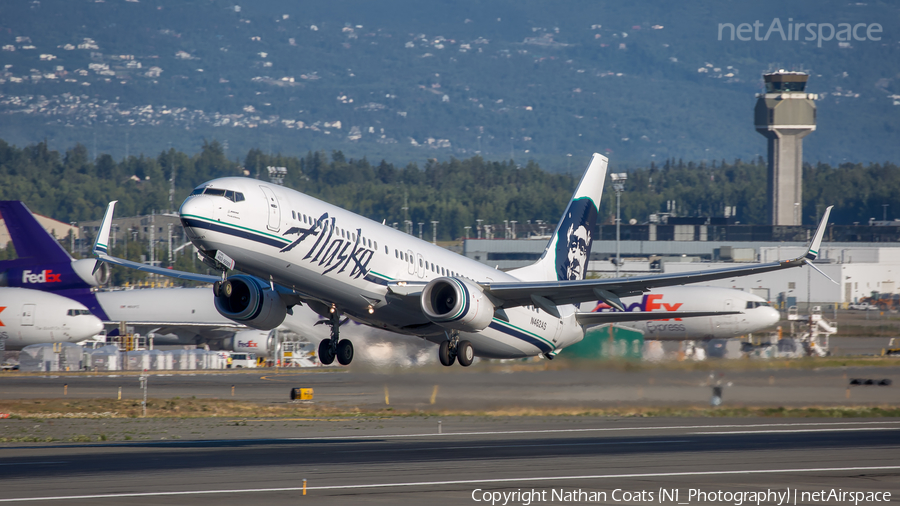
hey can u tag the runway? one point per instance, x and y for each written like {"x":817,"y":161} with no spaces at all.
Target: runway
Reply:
{"x":403,"y":452}
{"x":406,"y":461}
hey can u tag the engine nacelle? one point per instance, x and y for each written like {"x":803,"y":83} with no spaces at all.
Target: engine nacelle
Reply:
{"x":261,"y":342}
{"x":457,"y":304}
{"x":84,"y":268}
{"x":250,"y":301}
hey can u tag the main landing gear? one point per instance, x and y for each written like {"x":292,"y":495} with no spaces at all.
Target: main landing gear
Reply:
{"x":453,"y":349}
{"x":335,"y":347}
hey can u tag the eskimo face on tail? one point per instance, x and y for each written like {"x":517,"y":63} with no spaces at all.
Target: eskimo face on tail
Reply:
{"x":574,"y":238}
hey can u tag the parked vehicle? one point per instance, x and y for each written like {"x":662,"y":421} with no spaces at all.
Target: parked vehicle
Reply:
{"x":242,"y":360}
{"x":883,"y":301}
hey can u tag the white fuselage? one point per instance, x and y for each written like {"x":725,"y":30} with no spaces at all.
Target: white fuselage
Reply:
{"x":351,"y":260}
{"x":31,"y":317}
{"x":756,"y":313}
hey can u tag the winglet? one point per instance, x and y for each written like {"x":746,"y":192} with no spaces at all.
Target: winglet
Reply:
{"x":813,"y":252}
{"x":101,"y":244}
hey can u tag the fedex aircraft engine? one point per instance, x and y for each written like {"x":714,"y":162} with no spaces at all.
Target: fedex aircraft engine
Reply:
{"x":261,"y":342}
{"x":456,"y":303}
{"x":249,"y":300}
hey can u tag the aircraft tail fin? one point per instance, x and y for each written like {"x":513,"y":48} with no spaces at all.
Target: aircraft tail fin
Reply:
{"x":569,"y":249}
{"x":28,"y":236}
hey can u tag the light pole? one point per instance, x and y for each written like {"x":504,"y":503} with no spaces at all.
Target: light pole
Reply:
{"x":619,"y":186}
{"x":434,"y":231}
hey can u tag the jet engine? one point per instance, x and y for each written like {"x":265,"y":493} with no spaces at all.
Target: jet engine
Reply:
{"x":456,"y":303}
{"x":261,"y":342}
{"x":249,"y":300}
{"x":84,"y":268}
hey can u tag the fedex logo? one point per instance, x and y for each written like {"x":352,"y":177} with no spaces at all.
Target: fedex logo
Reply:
{"x":45,"y":276}
{"x":649,"y":302}
{"x":248,"y":344}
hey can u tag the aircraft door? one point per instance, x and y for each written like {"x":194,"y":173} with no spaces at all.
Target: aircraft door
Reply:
{"x":411,"y":261}
{"x":727,"y":323}
{"x":420,"y":265}
{"x":28,"y":314}
{"x":272,"y":208}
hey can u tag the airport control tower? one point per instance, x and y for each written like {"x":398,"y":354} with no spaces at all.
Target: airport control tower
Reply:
{"x":785,"y":114}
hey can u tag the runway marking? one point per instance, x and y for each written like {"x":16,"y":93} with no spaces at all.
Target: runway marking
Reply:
{"x":447,"y":482}
{"x":445,"y":434}
{"x":435,"y":448}
{"x":789,"y":431}
{"x":30,"y":463}
{"x":596,"y":429}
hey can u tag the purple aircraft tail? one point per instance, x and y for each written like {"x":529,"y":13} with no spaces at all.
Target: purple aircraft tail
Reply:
{"x":43,"y":264}
{"x":29,"y":237}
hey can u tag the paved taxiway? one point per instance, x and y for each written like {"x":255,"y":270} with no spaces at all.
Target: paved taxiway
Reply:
{"x":487,"y":388}
{"x":405,"y":461}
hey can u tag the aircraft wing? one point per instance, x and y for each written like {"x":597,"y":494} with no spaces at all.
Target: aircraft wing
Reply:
{"x":600,"y":318}
{"x":549,"y":294}
{"x":101,"y":251}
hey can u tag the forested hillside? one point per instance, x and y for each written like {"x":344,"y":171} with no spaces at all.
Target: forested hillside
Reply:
{"x":70,"y":187}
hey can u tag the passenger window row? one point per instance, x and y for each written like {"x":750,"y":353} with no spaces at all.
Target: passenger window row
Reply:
{"x":406,"y":257}
{"x":344,"y":233}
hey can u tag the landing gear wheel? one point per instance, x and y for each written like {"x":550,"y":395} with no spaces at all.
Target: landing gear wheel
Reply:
{"x":326,"y":356}
{"x":446,"y":356}
{"x":226,"y":289}
{"x":465,"y":353}
{"x":344,"y":352}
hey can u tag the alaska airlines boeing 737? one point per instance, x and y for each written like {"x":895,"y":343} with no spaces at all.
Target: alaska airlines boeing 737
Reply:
{"x":294,"y":249}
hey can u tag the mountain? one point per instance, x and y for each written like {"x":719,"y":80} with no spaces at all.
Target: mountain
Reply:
{"x":409,"y":81}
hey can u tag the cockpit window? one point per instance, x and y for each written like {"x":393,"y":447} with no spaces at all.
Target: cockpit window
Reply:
{"x":77,"y":312}
{"x":217,"y":192}
{"x":753,"y":304}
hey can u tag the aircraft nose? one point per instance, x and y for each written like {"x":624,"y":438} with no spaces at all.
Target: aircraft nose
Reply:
{"x":772,"y":315}
{"x":195,"y":207}
{"x":88,"y":326}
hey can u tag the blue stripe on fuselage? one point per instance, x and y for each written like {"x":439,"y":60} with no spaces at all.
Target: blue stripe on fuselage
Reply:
{"x":192,"y":223}
{"x":541,"y":345}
